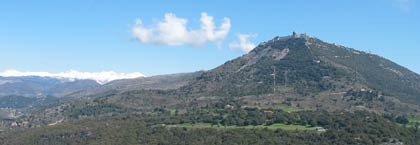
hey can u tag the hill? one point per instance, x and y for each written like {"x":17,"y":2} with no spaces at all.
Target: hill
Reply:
{"x":160,"y":82}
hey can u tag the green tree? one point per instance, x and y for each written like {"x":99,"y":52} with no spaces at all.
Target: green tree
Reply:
{"x":402,"y":120}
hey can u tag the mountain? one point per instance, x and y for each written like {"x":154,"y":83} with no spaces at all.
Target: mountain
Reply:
{"x":66,"y":88}
{"x":29,"y":93}
{"x":25,"y":85}
{"x":309,"y":67}
{"x":42,"y":86}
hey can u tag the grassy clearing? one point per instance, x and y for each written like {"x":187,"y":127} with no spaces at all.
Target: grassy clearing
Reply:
{"x":273,"y":127}
{"x":173,"y":111}
{"x":291,"y":109}
{"x":287,"y":109}
{"x":412,"y":121}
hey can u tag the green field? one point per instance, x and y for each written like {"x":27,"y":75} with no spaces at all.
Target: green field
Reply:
{"x":413,"y":121}
{"x":290,"y":109}
{"x":287,"y":109}
{"x":274,"y":126}
{"x":173,"y":111}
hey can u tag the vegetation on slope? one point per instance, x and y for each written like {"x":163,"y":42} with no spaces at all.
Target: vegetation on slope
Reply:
{"x":163,"y":128}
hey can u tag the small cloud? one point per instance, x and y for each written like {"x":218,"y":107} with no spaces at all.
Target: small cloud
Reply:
{"x":100,"y":77}
{"x":243,"y":43}
{"x":173,"y":31}
{"x":404,"y":5}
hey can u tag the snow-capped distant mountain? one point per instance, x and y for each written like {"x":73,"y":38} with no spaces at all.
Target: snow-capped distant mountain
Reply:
{"x":35,"y":86}
{"x":13,"y":82}
{"x":72,"y":75}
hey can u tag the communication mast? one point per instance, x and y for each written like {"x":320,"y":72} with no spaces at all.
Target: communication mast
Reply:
{"x":274,"y":79}
{"x":285,"y":78}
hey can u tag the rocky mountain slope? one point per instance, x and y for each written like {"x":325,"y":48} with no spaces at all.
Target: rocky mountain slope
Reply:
{"x":308,"y":66}
{"x":297,"y":71}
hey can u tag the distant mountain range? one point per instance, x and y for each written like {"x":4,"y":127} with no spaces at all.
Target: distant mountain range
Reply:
{"x":100,"y":77}
{"x":24,"y":91}
{"x":33,"y":86}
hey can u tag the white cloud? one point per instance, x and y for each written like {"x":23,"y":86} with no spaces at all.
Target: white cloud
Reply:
{"x":100,"y":77}
{"x":243,"y":43}
{"x":404,"y":5}
{"x":173,"y":31}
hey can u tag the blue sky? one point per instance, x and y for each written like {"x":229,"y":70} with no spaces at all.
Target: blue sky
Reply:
{"x":96,"y":35}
